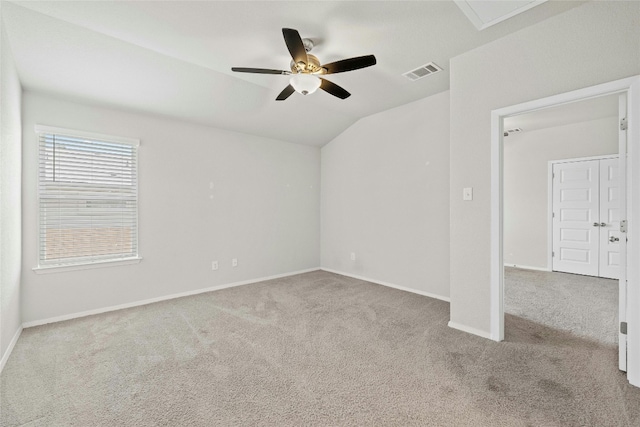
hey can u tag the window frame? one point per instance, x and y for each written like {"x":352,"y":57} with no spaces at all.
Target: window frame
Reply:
{"x":88,"y":264}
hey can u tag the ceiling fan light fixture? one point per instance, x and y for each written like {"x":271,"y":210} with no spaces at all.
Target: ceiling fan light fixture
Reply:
{"x":305,"y":83}
{"x":305,"y":68}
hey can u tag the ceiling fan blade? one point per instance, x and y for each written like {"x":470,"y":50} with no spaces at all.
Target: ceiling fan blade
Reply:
{"x":258,"y":70}
{"x":294,"y":43}
{"x":285,"y":93}
{"x":334,"y":89}
{"x":350,"y":64}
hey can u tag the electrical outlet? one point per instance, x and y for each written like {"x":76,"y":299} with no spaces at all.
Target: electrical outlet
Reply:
{"x":353,"y":256}
{"x":214,"y":265}
{"x":234,"y":262}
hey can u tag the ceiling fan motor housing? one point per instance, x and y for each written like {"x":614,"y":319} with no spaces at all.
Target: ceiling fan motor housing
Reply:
{"x":311,"y":67}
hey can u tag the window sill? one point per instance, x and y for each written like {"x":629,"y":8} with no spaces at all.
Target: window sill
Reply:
{"x":96,"y":264}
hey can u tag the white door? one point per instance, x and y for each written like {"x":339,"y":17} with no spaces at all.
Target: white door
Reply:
{"x":622,"y":236}
{"x":609,"y":219}
{"x":576,"y":211}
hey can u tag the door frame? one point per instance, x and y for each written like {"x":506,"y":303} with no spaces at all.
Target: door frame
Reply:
{"x":550,"y":198}
{"x":630,"y":85}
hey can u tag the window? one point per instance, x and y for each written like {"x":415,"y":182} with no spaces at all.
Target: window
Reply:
{"x":88,"y":198}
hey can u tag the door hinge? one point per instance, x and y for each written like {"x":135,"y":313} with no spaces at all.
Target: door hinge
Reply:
{"x":623,"y":328}
{"x":553,"y":254}
{"x":623,"y":123}
{"x":553,"y":214}
{"x":623,"y":226}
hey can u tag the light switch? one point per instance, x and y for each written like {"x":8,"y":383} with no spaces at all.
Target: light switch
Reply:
{"x":467,"y":193}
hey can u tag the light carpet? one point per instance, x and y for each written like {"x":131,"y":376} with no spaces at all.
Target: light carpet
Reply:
{"x":583,"y":305}
{"x":314,"y":349}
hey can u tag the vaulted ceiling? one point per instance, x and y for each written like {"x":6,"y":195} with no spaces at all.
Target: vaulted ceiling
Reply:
{"x":174,"y":58}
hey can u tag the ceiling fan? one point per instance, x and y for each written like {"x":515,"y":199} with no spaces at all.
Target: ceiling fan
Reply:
{"x":306,"y":68}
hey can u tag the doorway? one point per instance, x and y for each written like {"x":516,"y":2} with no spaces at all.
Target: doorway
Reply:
{"x":630,"y":171}
{"x":560,"y":202}
{"x":560,"y":185}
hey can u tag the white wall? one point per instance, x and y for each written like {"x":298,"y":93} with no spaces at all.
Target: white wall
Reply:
{"x":587,"y":45}
{"x":526,"y":159}
{"x":10,"y":214}
{"x":263,"y":210}
{"x":385,"y":197}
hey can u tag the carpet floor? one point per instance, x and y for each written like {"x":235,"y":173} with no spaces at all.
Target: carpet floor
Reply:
{"x":313,"y":349}
{"x":583,"y":305}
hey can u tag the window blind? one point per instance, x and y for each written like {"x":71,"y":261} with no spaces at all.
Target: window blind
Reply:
{"x":88,"y":198}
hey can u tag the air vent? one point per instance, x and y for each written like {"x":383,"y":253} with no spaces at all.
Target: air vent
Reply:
{"x":510,"y":131}
{"x":423,"y":71}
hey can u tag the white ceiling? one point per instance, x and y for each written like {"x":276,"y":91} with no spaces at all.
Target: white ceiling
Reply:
{"x":174,"y":58}
{"x":574,"y":112}
{"x":486,"y":13}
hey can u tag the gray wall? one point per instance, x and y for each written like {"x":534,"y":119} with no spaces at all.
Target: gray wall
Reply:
{"x":263,"y":210}
{"x":385,"y":197}
{"x":10,"y":196}
{"x":526,"y":160}
{"x":594,"y":43}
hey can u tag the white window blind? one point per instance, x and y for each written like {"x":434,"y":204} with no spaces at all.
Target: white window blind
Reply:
{"x":88,"y":198}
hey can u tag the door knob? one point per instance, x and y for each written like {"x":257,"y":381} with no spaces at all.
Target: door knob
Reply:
{"x":595,"y":224}
{"x":613,"y":239}
{"x":603,"y":224}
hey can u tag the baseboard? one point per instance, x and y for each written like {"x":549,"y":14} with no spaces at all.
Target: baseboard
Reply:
{"x":527,"y":267}
{"x":470,"y":330}
{"x":158,"y":299}
{"x":389,"y":285}
{"x":12,"y":344}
